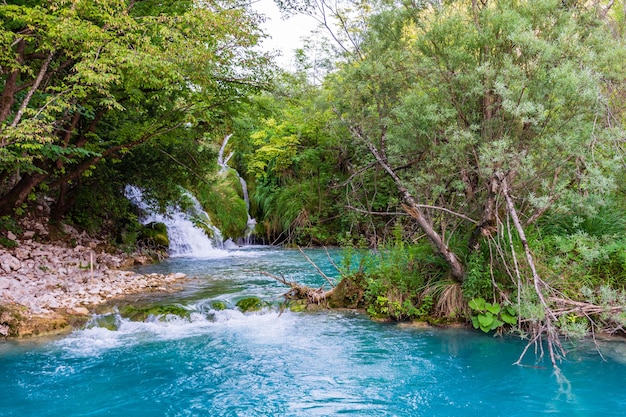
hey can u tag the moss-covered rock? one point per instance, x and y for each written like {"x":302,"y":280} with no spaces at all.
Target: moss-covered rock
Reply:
{"x":349,"y":293}
{"x":108,"y":322}
{"x":297,"y":306}
{"x":218,"y":305}
{"x":249,"y":304}
{"x":155,"y":235}
{"x":141,"y":313}
{"x":10,"y":319}
{"x":15,"y":321}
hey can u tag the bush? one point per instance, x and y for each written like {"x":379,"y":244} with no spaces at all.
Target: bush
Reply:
{"x":396,"y":278}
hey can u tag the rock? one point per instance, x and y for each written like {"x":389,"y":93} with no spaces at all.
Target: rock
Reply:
{"x":81,"y":311}
{"x":40,"y":228}
{"x":11,"y":235}
{"x":50,"y":282}
{"x":69,"y":229}
{"x":141,"y":260}
{"x":5,"y":283}
{"x":22,"y":253}
{"x":8,"y":263}
{"x":39,"y":252}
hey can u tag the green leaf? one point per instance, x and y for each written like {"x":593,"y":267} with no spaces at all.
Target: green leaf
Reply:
{"x":486,"y":319}
{"x":496,"y":323}
{"x":477,"y":304}
{"x":508,"y":318}
{"x":493,"y":308}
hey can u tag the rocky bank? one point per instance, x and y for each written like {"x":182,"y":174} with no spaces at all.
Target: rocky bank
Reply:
{"x":49,"y":287}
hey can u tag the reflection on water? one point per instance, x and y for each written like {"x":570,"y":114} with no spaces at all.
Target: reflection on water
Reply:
{"x":226,"y":363}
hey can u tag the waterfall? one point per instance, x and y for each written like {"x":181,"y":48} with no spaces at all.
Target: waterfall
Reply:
{"x":223,"y":163}
{"x":251,"y":222}
{"x":186,"y":238}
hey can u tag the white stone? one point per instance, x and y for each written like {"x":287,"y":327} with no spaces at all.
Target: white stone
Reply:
{"x":5,"y":283}
{"x":22,"y":253}
{"x":78,"y":310}
{"x":8,"y":263}
{"x":11,"y":235}
{"x":39,"y":252}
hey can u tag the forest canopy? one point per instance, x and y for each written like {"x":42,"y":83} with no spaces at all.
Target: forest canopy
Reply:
{"x":88,"y":87}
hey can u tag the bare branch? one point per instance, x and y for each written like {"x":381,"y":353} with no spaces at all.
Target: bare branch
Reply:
{"x":399,"y":213}
{"x":319,"y":271}
{"x":42,"y":73}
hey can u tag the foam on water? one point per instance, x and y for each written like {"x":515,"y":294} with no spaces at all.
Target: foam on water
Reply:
{"x":95,"y":340}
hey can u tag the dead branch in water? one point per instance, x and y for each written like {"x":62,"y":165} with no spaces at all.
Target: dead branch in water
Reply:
{"x":317,"y":268}
{"x":548,"y":325}
{"x":330,"y":259}
{"x":301,"y":292}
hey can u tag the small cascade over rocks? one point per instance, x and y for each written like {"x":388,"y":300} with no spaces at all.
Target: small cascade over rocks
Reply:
{"x":185,"y":237}
{"x":223,"y":164}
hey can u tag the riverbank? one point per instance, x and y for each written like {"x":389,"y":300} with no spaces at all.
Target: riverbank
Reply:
{"x":48,"y":288}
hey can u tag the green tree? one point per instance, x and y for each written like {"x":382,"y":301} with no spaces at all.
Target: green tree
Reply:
{"x":463,"y":103}
{"x":485,"y":116}
{"x":291,"y":160}
{"x":88,"y":82}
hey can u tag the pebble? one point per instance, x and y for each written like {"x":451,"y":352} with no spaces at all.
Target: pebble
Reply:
{"x":45,"y":278}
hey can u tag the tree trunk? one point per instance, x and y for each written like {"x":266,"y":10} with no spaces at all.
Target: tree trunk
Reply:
{"x":10,"y":85}
{"x":34,"y":87}
{"x":413,"y":208}
{"x":20,"y":192}
{"x":488,"y":224}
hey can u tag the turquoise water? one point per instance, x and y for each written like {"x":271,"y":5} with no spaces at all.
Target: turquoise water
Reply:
{"x":225,"y":363}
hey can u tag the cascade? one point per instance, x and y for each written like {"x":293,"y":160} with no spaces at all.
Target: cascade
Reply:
{"x":223,"y":164}
{"x":186,"y":238}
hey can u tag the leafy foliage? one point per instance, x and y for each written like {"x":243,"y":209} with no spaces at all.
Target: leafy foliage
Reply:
{"x":491,"y":316}
{"x":90,"y":84}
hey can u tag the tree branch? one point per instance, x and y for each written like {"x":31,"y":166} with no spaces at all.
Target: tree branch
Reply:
{"x":42,"y":73}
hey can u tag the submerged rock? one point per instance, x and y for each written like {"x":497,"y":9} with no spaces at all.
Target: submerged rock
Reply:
{"x":249,"y":304}
{"x":142,"y":313}
{"x":219,"y":305}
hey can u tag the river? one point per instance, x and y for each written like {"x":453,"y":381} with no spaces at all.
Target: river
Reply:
{"x":268,"y":363}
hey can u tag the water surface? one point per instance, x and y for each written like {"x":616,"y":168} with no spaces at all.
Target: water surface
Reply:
{"x":226,"y":363}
